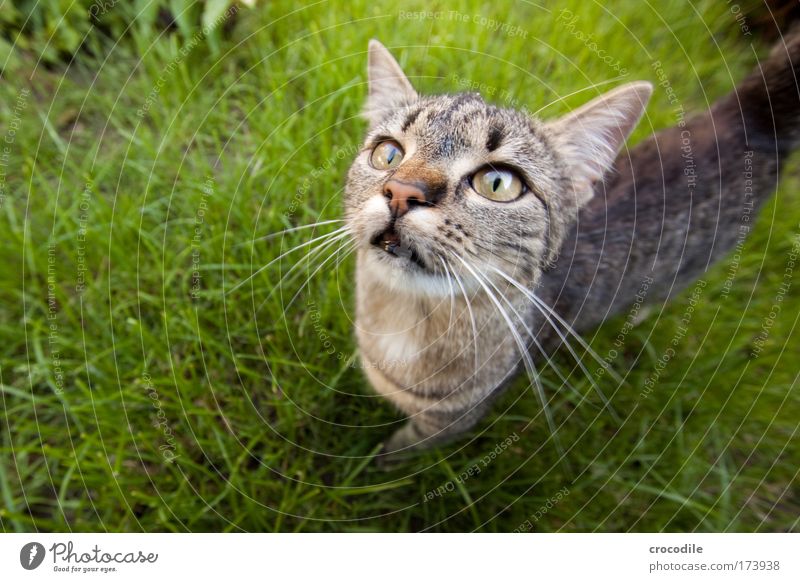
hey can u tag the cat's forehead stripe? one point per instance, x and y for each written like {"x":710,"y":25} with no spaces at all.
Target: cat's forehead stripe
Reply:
{"x":411,"y":118}
{"x":457,"y":104}
{"x":495,"y":138}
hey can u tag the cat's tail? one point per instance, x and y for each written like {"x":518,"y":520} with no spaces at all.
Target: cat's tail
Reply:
{"x":768,"y":100}
{"x":681,"y":200}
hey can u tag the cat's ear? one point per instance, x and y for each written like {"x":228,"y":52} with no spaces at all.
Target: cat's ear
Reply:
{"x":388,"y":86}
{"x":590,"y":137}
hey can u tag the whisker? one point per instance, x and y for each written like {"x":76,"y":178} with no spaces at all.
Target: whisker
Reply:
{"x":538,"y":344}
{"x":575,"y":355}
{"x":515,"y":264}
{"x":543,"y":306}
{"x":288,"y":230}
{"x":606,"y":366}
{"x":347,"y":254}
{"x":338,"y":231}
{"x":311,"y":276}
{"x":531,"y":368}
{"x":452,"y":293}
{"x":474,"y":325}
{"x":308,"y":259}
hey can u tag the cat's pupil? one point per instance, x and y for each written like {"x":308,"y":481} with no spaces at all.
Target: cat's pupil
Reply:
{"x":496,"y":184}
{"x":392,"y":152}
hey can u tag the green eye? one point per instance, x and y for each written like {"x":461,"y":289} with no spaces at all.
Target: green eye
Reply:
{"x":499,"y":185}
{"x":386,"y":155}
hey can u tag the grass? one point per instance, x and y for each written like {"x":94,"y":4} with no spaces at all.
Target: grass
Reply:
{"x":102,"y":385}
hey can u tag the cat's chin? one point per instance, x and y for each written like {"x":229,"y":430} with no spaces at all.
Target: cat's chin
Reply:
{"x":400,"y":272}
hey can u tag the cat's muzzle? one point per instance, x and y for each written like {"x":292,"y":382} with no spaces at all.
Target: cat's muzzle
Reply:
{"x":390,"y":242}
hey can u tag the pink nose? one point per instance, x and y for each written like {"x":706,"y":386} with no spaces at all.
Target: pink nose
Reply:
{"x":402,"y":196}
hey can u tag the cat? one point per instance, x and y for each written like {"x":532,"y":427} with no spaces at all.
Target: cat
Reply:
{"x":486,"y":238}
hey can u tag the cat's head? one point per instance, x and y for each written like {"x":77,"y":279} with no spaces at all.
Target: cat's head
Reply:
{"x":450,"y":179}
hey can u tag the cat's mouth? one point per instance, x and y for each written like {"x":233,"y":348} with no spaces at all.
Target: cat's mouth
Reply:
{"x":390,"y":242}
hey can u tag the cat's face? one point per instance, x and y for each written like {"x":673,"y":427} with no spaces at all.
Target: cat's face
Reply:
{"x":450,"y":185}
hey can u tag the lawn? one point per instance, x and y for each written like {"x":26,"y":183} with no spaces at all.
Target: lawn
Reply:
{"x":141,"y":392}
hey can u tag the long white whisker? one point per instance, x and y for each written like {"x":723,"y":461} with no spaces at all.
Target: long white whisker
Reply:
{"x":577,"y":336}
{"x":575,"y":355}
{"x":344,"y":256}
{"x":514,"y":263}
{"x":317,"y":270}
{"x":471,"y":317}
{"x":288,"y":230}
{"x":536,"y":342}
{"x":298,"y":247}
{"x":452,"y":292}
{"x":309,"y":258}
{"x":526,"y":358}
{"x":549,"y":310}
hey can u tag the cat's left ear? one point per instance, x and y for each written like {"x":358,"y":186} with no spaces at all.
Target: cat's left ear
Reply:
{"x":389,"y":88}
{"x":590,"y":137}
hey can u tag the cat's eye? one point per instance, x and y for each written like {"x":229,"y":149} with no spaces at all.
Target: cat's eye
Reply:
{"x":498,"y":184}
{"x":386,"y":155}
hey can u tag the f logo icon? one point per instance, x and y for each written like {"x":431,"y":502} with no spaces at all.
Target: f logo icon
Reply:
{"x":31,"y":555}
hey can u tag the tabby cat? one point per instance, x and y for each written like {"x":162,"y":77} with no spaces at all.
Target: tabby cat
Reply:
{"x":486,"y":238}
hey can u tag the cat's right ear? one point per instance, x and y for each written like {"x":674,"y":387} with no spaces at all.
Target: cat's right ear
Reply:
{"x":389,"y":88}
{"x":590,"y":137}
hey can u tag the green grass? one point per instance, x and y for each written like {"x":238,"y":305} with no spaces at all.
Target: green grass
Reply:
{"x":271,"y":432}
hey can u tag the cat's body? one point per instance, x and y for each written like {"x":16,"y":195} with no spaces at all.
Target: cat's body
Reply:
{"x":682,"y":200}
{"x":447,"y":266}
